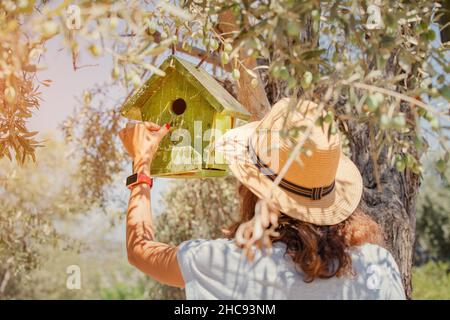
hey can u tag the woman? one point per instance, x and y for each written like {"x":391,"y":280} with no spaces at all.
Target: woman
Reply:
{"x":299,"y":208}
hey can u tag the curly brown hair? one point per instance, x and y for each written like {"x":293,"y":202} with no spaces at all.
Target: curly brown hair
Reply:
{"x":318,"y":251}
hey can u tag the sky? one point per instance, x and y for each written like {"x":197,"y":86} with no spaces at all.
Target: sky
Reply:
{"x":59,"y":99}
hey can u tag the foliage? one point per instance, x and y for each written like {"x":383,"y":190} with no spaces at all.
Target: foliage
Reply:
{"x":19,"y":94}
{"x":103,"y":276}
{"x":432,"y":281}
{"x":207,"y":206}
{"x":433,"y":217}
{"x":32,"y":196}
{"x":381,"y":74}
{"x":381,"y":66}
{"x":93,"y":129}
{"x":123,"y":291}
{"x":107,"y":275}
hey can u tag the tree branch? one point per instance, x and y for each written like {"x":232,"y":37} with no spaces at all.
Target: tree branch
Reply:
{"x":254,"y":99}
{"x":195,"y":52}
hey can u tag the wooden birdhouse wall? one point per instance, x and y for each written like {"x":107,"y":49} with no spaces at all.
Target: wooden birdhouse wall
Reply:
{"x":199,"y":110}
{"x":170,"y":158}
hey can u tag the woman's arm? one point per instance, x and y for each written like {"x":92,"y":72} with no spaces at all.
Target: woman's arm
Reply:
{"x":158,"y":260}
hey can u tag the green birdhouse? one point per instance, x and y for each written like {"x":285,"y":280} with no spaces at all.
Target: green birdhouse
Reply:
{"x":199,"y":110}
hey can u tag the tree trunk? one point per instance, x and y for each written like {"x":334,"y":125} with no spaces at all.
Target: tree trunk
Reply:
{"x":393,"y":206}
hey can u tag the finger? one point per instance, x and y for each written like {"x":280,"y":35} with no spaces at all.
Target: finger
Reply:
{"x":162,"y":131}
{"x":131,"y":124}
{"x":152,"y":126}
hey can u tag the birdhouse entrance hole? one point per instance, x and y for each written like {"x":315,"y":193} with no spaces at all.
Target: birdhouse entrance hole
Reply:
{"x":179,"y":106}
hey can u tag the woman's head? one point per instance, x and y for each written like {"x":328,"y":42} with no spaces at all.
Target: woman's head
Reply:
{"x":318,"y":251}
{"x":308,"y":189}
{"x":297,"y":164}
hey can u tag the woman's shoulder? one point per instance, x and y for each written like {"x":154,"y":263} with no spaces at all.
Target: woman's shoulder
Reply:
{"x":206,"y":256}
{"x":371,"y":256}
{"x":201,"y":244}
{"x":376,"y":266}
{"x":204,"y":249}
{"x":368,"y":253}
{"x":371,"y":252}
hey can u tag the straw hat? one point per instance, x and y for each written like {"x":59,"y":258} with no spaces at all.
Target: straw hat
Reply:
{"x":322,"y":186}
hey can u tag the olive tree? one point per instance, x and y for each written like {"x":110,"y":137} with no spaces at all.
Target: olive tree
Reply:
{"x":33,"y":197}
{"x":377,"y":67}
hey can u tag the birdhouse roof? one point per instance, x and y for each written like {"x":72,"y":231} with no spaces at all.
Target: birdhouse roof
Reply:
{"x":220,"y":99}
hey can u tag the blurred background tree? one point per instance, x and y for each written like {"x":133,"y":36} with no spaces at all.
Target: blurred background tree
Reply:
{"x":195,"y":209}
{"x":32,"y":198}
{"x":433,"y":218}
{"x":431,"y":276}
{"x":379,"y":66}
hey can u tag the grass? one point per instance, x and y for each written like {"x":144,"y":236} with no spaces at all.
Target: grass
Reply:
{"x":431,"y":281}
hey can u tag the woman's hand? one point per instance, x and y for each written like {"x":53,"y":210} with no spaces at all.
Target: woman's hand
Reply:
{"x":141,"y":140}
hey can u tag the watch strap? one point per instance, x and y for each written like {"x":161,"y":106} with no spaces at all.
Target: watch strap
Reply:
{"x":138,"y":178}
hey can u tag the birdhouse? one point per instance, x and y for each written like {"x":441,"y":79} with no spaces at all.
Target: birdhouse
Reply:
{"x":199,"y":110}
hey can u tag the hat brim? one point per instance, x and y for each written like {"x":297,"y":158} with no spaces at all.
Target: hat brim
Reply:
{"x":329,"y":210}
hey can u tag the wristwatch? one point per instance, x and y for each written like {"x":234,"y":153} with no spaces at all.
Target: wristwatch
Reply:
{"x":138,"y":178}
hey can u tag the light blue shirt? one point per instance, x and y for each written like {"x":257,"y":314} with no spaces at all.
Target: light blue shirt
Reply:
{"x":216,"y":269}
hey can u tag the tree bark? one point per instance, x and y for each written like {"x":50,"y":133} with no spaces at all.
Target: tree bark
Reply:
{"x":393,"y":206}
